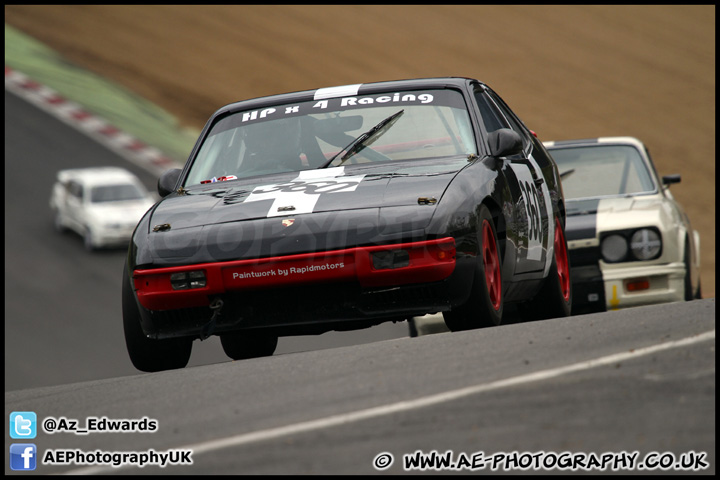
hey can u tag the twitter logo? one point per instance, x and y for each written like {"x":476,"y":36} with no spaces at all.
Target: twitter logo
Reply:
{"x":23,"y":425}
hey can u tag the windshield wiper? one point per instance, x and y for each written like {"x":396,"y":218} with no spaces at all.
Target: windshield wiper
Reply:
{"x":566,"y":173}
{"x":365,"y":139}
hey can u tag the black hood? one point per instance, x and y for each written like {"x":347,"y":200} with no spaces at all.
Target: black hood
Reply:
{"x":312,"y":210}
{"x":310,"y":191}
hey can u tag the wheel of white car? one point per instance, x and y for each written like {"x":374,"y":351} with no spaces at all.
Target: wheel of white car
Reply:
{"x":248,"y":344}
{"x":58,"y":223}
{"x":689,"y":294}
{"x":88,"y":240}
{"x":698,"y":293}
{"x":484,"y":308}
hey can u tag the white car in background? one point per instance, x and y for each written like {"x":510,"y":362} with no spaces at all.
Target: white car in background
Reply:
{"x":630,"y":242}
{"x":102,"y":204}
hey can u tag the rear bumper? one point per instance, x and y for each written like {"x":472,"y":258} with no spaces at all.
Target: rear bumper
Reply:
{"x":427,"y":261}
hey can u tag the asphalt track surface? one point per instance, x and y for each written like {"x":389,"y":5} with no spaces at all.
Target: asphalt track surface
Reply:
{"x":641,"y":380}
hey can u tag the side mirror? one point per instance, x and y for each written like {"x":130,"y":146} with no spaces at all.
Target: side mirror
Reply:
{"x":504,"y":142}
{"x":670,"y":179}
{"x":167,"y":181}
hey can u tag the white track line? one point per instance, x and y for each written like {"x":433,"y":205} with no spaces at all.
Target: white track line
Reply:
{"x":342,"y":419}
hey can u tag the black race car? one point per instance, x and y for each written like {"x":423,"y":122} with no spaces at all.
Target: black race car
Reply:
{"x":342,"y":208}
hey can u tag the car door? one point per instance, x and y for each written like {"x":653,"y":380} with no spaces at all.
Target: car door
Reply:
{"x":533,"y":208}
{"x":75,"y":205}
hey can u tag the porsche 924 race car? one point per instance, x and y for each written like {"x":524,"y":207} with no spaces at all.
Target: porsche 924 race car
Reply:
{"x":630,"y":243}
{"x":342,"y":208}
{"x":102,"y":204}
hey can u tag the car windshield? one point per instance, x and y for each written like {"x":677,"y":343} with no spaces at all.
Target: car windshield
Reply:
{"x":602,"y":170}
{"x":115,"y":193}
{"x":307,"y":135}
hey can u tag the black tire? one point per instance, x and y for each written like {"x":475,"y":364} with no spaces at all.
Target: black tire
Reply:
{"x":555,"y":296}
{"x":248,"y":344}
{"x":689,"y":294}
{"x":688,"y":279}
{"x":57,"y":222}
{"x":88,"y":241}
{"x":147,"y":354}
{"x":484,"y":308}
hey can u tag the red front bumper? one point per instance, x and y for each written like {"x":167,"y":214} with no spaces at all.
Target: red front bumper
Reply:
{"x":428,"y":261}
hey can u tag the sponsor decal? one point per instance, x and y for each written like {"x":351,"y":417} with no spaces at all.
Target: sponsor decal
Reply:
{"x":288,"y":271}
{"x":346,"y":98}
{"x":224,"y":178}
{"x":304,"y":191}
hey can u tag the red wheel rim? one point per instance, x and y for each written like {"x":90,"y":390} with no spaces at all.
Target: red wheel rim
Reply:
{"x":492,"y":266}
{"x":561,"y":261}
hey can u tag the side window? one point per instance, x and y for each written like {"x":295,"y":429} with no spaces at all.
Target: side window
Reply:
{"x":76,"y":190}
{"x":514,"y":123}
{"x":492,"y":119}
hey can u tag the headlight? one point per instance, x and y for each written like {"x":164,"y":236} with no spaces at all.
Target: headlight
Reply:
{"x":631,"y":245}
{"x":645,"y":244}
{"x":614,"y":248}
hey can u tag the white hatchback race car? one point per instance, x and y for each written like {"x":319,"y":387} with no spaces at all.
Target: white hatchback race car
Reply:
{"x":102,"y":204}
{"x":630,"y":243}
